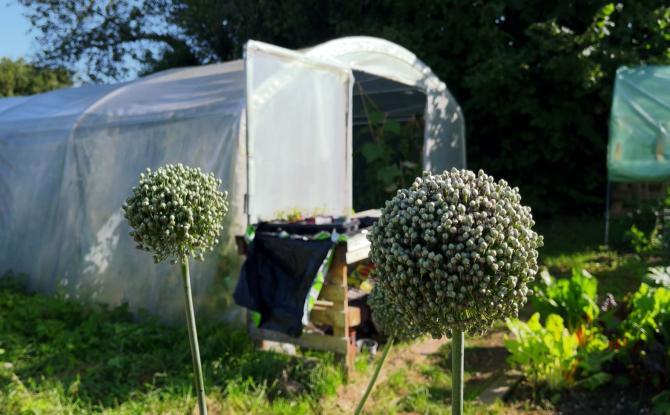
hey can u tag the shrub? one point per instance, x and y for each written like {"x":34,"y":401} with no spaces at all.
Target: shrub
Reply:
{"x":574,"y":299}
{"x":553,"y":356}
{"x":631,"y":338}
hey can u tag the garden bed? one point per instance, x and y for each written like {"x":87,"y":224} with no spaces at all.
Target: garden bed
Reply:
{"x":58,"y":356}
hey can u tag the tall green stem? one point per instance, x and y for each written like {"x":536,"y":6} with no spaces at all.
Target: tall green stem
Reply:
{"x":193,"y":337}
{"x":457,"y":350}
{"x":387,"y":347}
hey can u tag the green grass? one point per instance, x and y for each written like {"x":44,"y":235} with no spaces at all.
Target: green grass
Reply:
{"x":578,"y":243}
{"x":58,"y":356}
{"x":425,"y":388}
{"x":61,"y":357}
{"x":429,"y":393}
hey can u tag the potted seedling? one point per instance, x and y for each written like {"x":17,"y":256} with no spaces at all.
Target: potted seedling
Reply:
{"x":176,"y":212}
{"x":453,"y":253}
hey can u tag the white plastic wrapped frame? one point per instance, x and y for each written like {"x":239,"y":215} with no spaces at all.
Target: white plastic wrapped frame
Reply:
{"x":444,"y":133}
{"x":68,"y":159}
{"x":298,"y":133}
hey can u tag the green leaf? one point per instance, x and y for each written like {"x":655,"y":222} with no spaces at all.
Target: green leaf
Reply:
{"x":661,"y":402}
{"x":372,"y":152}
{"x":375,"y":117}
{"x":594,"y":381}
{"x":388,"y":174}
{"x":392,"y":126}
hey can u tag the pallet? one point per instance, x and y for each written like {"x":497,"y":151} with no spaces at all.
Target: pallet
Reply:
{"x":331,"y":309}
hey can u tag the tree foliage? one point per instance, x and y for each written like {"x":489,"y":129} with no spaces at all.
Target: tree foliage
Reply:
{"x":534,"y":77}
{"x":22,"y":78}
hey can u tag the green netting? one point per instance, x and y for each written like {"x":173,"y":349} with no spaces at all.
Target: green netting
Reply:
{"x":639,"y":143}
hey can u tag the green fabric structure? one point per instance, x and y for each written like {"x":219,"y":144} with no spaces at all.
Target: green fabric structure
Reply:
{"x":639,"y":141}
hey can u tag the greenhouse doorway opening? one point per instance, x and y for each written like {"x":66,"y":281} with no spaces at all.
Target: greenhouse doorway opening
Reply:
{"x":387,"y":138}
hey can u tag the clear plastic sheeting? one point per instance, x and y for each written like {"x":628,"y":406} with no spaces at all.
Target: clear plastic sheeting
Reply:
{"x":639,"y":142}
{"x":298,"y":124}
{"x":69,"y":158}
{"x":396,"y":101}
{"x":444,"y":134}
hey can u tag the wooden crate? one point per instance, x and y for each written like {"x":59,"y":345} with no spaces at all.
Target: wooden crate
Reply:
{"x":331,"y":309}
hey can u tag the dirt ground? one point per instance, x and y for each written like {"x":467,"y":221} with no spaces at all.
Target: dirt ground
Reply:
{"x":490,"y":386}
{"x":399,"y":357}
{"x":484,"y":363}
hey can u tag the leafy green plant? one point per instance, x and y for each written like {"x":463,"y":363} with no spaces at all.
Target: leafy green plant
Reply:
{"x":645,"y":337}
{"x":649,"y":315}
{"x":552,"y":356}
{"x":649,"y":230}
{"x":387,"y":156}
{"x":638,"y":331}
{"x":574,"y":298}
{"x":544,"y":354}
{"x":644,"y":243}
{"x":661,"y":403}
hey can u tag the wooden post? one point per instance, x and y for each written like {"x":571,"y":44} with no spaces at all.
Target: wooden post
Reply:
{"x":337,"y":278}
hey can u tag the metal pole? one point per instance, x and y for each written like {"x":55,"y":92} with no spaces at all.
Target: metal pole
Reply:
{"x":607,"y":212}
{"x":249,"y":150}
{"x":457,"y":351}
{"x":193,"y":338}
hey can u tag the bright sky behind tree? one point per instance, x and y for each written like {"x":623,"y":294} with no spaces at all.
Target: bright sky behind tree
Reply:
{"x":15,"y":41}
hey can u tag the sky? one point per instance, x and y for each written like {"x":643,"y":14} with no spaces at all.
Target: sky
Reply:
{"x":15,"y":42}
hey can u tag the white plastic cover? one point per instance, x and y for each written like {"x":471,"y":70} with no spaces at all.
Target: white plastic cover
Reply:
{"x":639,"y":139}
{"x":299,"y":133}
{"x":69,"y":158}
{"x":444,"y":134}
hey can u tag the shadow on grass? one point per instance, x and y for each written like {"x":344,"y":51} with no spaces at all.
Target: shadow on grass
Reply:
{"x":483,"y":365}
{"x":102,"y":357}
{"x":616,"y":273}
{"x":577,"y":242}
{"x":569,"y":235}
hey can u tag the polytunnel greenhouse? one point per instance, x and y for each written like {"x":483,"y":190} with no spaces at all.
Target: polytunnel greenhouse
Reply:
{"x":276,"y":127}
{"x":639,"y":142}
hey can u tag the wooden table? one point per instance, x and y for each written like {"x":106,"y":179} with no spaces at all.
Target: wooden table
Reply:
{"x":331,"y":308}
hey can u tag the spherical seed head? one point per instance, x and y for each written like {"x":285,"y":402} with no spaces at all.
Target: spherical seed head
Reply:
{"x":453,"y":252}
{"x":176,"y":211}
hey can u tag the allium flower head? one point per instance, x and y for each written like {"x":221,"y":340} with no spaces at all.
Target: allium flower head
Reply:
{"x":453,"y":252}
{"x":176,"y":211}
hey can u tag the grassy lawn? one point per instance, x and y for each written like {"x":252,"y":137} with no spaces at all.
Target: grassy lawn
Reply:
{"x":579,"y":243}
{"x":60,"y":357}
{"x":426,"y":387}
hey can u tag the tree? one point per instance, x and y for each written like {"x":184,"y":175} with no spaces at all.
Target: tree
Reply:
{"x":22,"y":78}
{"x":111,"y":38}
{"x":534,"y":77}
